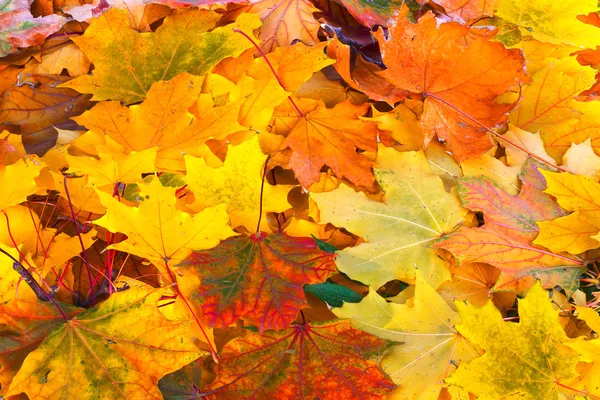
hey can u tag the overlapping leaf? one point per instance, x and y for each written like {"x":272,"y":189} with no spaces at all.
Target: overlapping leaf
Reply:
{"x":238,"y":186}
{"x":504,"y":241}
{"x":460,"y":79}
{"x":415,"y":212}
{"x":116,"y":350}
{"x":258,"y":278}
{"x":429,"y":345}
{"x":127,"y":62}
{"x":322,"y":136}
{"x":527,"y":358}
{"x":576,"y":232}
{"x":331,"y":360}
{"x":157,"y":230}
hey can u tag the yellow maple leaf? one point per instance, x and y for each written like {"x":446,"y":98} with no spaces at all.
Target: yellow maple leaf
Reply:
{"x":113,"y":165}
{"x":263,"y":90}
{"x":549,"y":105}
{"x":551,"y":21}
{"x":238,"y":184}
{"x":128,"y":62}
{"x":18,"y":181}
{"x":528,"y":358}
{"x":157,"y":230}
{"x":580,"y":159}
{"x":576,"y":232}
{"x":117,"y":350}
{"x":163,"y":120}
{"x":589,"y":351}
{"x":430,"y":346}
{"x":415,"y":212}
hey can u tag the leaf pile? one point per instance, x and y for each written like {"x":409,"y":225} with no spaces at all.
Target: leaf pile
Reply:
{"x":309,"y":199}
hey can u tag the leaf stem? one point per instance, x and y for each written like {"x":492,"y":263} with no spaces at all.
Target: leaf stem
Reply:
{"x":83,"y":251}
{"x":262,"y":189}
{"x":262,"y":53}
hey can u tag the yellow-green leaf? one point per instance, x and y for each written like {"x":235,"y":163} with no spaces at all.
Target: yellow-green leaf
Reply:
{"x":415,"y":212}
{"x":429,"y":346}
{"x":527,"y":358}
{"x":118,"y":349}
{"x":127,"y":62}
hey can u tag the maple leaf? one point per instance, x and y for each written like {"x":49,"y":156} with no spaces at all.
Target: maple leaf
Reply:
{"x":163,"y":121}
{"x":157,"y":230}
{"x":327,"y":136}
{"x":53,"y":249}
{"x":238,"y":184}
{"x":578,"y":231}
{"x":38,"y":108}
{"x":514,"y":215}
{"x":113,"y":165}
{"x":127,"y":62}
{"x":504,"y":240}
{"x":549,"y":21}
{"x":362,"y":75}
{"x":430,"y":346}
{"x":472,"y":282}
{"x":118,"y":349}
{"x":21,"y":29}
{"x":293,"y":65}
{"x":549,"y":105}
{"x":18,"y":182}
{"x":284,"y":22}
{"x":330,"y":360}
{"x":580,"y":159}
{"x":527,"y":358}
{"x":588,"y":350}
{"x":26,"y":322}
{"x":270,"y":80}
{"x":460,"y":96}
{"x":416,"y":211}
{"x":258,"y":278}
{"x":58,"y":57}
{"x":142,"y":14}
{"x":403,"y":125}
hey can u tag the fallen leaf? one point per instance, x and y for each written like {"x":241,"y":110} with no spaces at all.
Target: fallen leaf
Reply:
{"x":528,"y":358}
{"x":238,"y":184}
{"x":551,"y":22}
{"x":21,"y":29}
{"x":157,"y":230}
{"x":319,"y":136}
{"x":415,"y":212}
{"x":18,"y":182}
{"x":574,"y":233}
{"x":38,"y":109}
{"x":120,"y":348}
{"x":549,"y":105}
{"x":26,"y":322}
{"x":284,"y":22}
{"x":429,"y":347}
{"x":258,"y":278}
{"x":468,"y":10}
{"x":331,"y":360}
{"x":127,"y":63}
{"x":460,"y":95}
{"x":164,"y":121}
